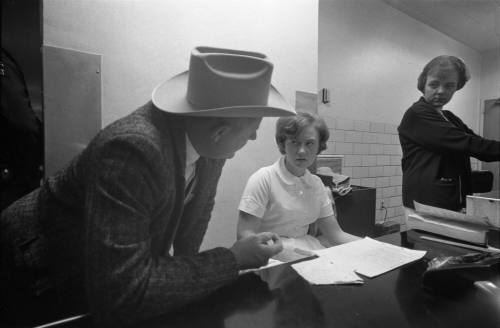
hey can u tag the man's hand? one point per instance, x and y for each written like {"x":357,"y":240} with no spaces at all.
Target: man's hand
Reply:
{"x":255,"y":250}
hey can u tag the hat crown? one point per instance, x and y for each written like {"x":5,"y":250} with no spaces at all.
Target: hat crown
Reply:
{"x":224,"y":78}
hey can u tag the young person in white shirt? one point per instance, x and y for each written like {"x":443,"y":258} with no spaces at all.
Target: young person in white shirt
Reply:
{"x":285,"y":198}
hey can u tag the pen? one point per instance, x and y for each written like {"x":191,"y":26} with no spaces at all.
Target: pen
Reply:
{"x":56,"y":323}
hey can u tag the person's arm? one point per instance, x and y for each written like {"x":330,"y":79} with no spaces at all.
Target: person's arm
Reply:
{"x":248,"y":225}
{"x":125,"y":283}
{"x":430,"y":130}
{"x":332,"y":232}
{"x":253,"y":204}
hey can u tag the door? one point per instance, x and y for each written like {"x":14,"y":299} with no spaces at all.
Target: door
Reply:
{"x":491,"y":130}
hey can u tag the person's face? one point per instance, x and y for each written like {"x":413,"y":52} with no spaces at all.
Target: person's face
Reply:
{"x":237,"y":135}
{"x":440,"y":86}
{"x":301,"y":150}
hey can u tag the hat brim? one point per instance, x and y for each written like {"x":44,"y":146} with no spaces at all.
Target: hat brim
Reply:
{"x":170,"y":96}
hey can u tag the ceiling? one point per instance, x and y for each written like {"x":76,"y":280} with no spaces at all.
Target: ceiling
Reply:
{"x":475,"y":23}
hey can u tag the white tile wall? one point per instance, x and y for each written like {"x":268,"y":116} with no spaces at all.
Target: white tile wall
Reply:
{"x":372,"y":158}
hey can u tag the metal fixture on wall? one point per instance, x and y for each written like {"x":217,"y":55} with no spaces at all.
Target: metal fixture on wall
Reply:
{"x":325,"y":96}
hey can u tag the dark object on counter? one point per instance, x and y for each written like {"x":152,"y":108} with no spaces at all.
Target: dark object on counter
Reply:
{"x":482,"y":181}
{"x":356,"y":211}
{"x":386,"y":228}
{"x":455,"y":274}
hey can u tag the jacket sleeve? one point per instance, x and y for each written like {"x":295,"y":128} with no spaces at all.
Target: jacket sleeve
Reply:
{"x":125,"y":283}
{"x":428,"y":129}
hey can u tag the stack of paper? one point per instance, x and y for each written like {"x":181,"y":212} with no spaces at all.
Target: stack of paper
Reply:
{"x":339,"y":264}
{"x":451,"y":215}
{"x":370,"y":257}
{"x":484,"y":207}
{"x":322,"y":271}
{"x":469,"y":228}
{"x":462,"y":231}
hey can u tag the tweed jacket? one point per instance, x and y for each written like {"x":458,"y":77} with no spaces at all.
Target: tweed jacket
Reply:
{"x":117,"y":231}
{"x":436,"y":156}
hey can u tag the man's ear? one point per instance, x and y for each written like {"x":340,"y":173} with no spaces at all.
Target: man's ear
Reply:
{"x":219,"y":131}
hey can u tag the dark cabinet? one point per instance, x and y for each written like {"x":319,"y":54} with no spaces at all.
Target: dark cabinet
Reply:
{"x":356,"y":211}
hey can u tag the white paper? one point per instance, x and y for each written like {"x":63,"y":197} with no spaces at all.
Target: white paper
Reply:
{"x":483,"y":206}
{"x":442,"y":213}
{"x":369,"y":257}
{"x":321,"y":271}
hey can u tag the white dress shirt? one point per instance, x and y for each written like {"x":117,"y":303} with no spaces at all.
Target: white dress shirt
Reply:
{"x":287,"y":204}
{"x":191,"y":158}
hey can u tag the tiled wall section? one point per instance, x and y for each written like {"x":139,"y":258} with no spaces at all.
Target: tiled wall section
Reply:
{"x":372,"y":158}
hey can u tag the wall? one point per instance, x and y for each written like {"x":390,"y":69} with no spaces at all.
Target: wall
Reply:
{"x":490,"y":74}
{"x":20,"y":33}
{"x":370,"y":56}
{"x":490,"y":89}
{"x":490,"y":79}
{"x":143,"y":42}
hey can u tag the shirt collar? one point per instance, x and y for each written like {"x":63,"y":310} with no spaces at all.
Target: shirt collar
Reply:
{"x":291,"y":179}
{"x":191,"y":154}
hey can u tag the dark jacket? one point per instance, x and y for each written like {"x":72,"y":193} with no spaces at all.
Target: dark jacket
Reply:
{"x":21,"y":141}
{"x":436,"y":151}
{"x":112,"y":230}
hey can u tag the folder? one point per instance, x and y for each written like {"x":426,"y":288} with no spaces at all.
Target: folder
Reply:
{"x":486,"y":207}
{"x":469,"y":232}
{"x":469,"y":228}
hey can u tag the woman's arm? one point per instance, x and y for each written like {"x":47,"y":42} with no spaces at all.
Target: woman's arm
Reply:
{"x":428,"y":129}
{"x":332,"y":232}
{"x":248,"y":224}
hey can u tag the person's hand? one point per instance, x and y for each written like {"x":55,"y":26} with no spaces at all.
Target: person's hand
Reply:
{"x":255,"y":250}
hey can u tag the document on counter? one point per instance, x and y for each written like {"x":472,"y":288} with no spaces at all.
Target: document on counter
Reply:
{"x":369,"y":257}
{"x":445,"y":214}
{"x":484,"y":207}
{"x":322,"y":271}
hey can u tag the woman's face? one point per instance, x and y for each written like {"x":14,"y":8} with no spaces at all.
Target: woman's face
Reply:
{"x":301,"y":150}
{"x":440,"y":86}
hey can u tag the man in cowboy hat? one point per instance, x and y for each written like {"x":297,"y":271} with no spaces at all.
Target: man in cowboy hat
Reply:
{"x":117,"y":232}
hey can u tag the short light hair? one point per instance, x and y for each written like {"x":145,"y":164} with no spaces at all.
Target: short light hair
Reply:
{"x":291,"y":126}
{"x":445,"y":61}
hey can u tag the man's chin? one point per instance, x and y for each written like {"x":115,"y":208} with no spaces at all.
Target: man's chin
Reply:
{"x":227,"y":156}
{"x":220,"y":156}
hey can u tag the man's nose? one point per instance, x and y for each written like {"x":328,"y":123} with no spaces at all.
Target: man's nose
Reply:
{"x":302,"y":149}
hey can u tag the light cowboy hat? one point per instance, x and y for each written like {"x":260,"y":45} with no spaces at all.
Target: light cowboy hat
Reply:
{"x":222,"y":83}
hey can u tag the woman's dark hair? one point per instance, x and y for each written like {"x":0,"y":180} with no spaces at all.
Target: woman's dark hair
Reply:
{"x":445,"y":61}
{"x":291,"y":126}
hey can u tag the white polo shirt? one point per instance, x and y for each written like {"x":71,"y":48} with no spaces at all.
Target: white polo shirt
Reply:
{"x":287,"y":204}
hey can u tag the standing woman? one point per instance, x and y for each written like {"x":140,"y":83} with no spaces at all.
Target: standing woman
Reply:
{"x":285,"y":198}
{"x":436,"y":144}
